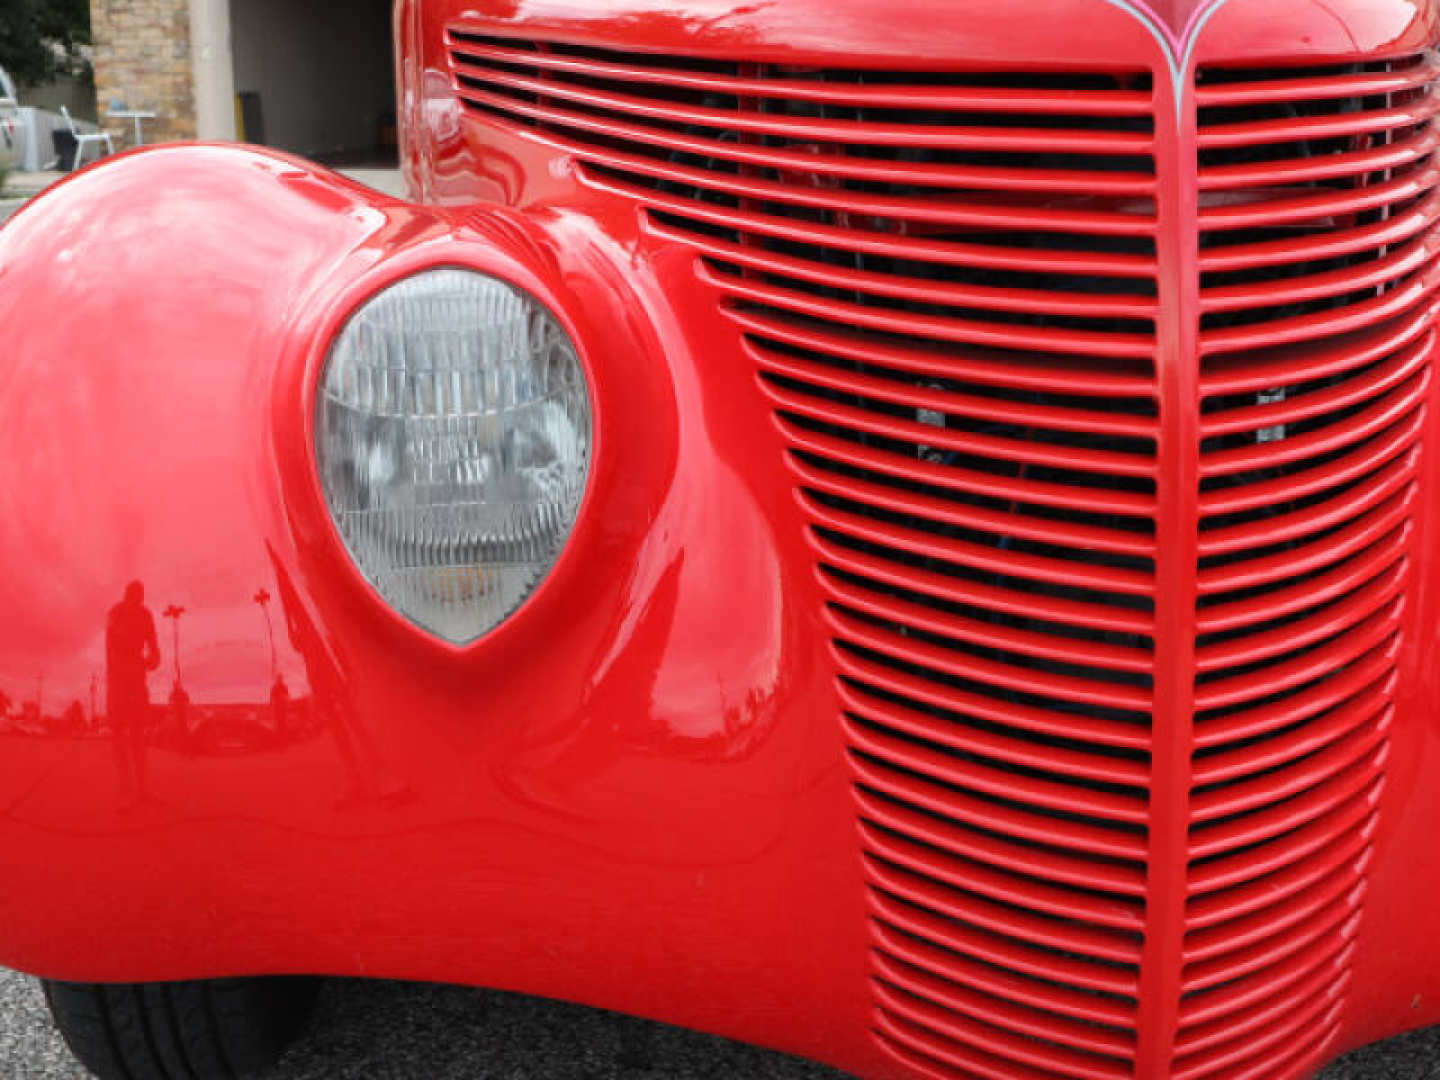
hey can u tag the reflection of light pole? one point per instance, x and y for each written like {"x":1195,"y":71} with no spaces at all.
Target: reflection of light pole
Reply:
{"x":173,"y":612}
{"x":94,"y":693}
{"x":263,"y":599}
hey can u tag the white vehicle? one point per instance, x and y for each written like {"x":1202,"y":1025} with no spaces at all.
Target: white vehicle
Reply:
{"x":9,"y":122}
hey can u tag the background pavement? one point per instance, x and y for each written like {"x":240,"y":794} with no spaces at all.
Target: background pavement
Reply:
{"x":391,"y":1031}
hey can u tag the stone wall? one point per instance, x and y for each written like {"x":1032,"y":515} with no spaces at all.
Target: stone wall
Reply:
{"x":142,"y":58}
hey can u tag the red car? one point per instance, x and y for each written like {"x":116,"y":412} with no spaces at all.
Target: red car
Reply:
{"x":907,"y":533}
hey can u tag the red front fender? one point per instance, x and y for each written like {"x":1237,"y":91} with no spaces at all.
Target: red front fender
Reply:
{"x":636,"y":774}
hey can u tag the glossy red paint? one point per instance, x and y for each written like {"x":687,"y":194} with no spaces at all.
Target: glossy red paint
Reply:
{"x":646,"y":771}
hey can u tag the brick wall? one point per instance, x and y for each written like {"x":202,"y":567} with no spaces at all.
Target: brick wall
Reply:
{"x":142,"y":57}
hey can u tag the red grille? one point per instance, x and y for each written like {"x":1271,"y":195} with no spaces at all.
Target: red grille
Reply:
{"x":947,"y":285}
{"x":1317,"y":293}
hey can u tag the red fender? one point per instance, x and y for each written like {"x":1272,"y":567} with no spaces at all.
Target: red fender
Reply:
{"x":636,"y":773}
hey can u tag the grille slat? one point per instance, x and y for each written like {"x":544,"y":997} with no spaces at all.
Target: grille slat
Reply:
{"x":993,"y":851}
{"x":1311,"y":702}
{"x":1396,"y":262}
{"x":1280,"y":889}
{"x":944,"y":1014}
{"x":1310,"y":836}
{"x":938,"y":398}
{"x":1222,"y":1004}
{"x":1266,"y":838}
{"x":1319,"y":1011}
{"x":1389,"y":407}
{"x":1348,"y":124}
{"x":1056,"y":760}
{"x":1317,"y":403}
{"x":1270,"y":921}
{"x":937,"y":1055}
{"x":1302,"y":204}
{"x":1363,"y":239}
{"x":1255,"y":373}
{"x":975,"y":882}
{"x":1024,"y":492}
{"x":1329,"y":474}
{"x":1238,"y":763}
{"x":1337,"y":510}
{"x":818,"y":127}
{"x":977,"y":555}
{"x":988,"y":808}
{"x":971,"y":328}
{"x":920,"y":184}
{"x":1329,"y":981}
{"x":1037,"y":1023}
{"x":1239,"y":88}
{"x":1279,"y":787}
{"x":1313,"y":555}
{"x":1331,"y":322}
{"x":1305,"y":631}
{"x":1105,"y":1021}
{"x":909,"y":873}
{"x":1296,"y":598}
{"x":1025,"y":604}
{"x":893,"y":93}
{"x":1394,"y":154}
{"x":951,"y":292}
{"x":1052,"y":374}
{"x":1034,"y":680}
{"x":1108,"y":985}
{"x":916,"y":505}
{"x":987,"y":634}
{"x":947,"y":287}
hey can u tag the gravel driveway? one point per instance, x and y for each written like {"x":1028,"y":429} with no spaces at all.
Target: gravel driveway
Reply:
{"x":381,"y":1031}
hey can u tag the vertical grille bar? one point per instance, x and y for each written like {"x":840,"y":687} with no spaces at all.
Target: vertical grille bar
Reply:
{"x":1177,"y":514}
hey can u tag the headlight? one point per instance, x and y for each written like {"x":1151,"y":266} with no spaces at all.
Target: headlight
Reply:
{"x":453,"y":439}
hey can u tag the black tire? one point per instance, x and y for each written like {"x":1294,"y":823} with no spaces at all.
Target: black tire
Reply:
{"x":223,"y":1029}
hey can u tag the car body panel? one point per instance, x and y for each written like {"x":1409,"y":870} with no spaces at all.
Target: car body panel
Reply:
{"x":635,"y":792}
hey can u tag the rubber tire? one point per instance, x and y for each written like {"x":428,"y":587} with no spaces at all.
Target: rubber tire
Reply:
{"x":223,"y":1029}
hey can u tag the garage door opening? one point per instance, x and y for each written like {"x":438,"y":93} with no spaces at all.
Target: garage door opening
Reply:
{"x":316,"y":78}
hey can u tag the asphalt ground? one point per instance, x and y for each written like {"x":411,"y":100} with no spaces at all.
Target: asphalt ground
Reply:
{"x":393,"y":1031}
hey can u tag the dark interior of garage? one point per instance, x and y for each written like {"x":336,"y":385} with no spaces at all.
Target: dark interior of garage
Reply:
{"x":316,"y":77}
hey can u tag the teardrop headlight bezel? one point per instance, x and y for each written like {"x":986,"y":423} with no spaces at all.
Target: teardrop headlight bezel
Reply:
{"x":361,"y":299}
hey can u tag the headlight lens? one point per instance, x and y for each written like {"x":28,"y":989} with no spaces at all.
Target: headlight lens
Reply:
{"x":454,"y":442}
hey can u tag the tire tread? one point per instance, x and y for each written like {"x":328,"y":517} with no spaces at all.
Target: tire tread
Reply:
{"x":223,"y":1029}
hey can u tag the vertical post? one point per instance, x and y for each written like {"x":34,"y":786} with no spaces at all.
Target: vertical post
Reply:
{"x":262,"y":598}
{"x":173,"y":613}
{"x":1177,"y":367}
{"x":213,"y":68}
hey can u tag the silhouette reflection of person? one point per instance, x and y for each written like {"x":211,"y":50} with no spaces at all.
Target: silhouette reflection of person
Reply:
{"x":131,"y":653}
